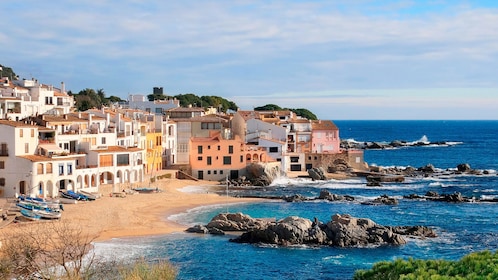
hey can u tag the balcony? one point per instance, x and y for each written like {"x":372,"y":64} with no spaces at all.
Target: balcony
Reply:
{"x":4,"y":153}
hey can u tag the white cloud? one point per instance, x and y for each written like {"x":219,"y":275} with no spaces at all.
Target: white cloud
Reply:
{"x":244,"y":48}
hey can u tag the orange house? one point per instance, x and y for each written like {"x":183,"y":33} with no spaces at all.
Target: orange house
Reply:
{"x":217,"y":157}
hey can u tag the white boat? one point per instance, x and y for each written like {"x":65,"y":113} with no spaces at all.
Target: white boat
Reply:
{"x":90,"y":195}
{"x":47,"y":214}
{"x":65,"y":200}
{"x":30,"y":215}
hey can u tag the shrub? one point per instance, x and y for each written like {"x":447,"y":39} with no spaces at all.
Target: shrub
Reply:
{"x":480,"y":265}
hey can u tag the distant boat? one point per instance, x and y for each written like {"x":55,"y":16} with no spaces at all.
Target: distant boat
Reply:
{"x":30,"y":215}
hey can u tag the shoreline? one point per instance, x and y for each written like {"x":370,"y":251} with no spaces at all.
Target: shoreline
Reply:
{"x":143,"y":214}
{"x":139,"y":214}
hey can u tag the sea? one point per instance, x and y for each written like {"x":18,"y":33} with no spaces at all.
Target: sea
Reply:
{"x":462,"y":228}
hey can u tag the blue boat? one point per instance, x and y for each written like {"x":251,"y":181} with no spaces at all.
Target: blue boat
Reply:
{"x":30,"y":215}
{"x":78,"y":196}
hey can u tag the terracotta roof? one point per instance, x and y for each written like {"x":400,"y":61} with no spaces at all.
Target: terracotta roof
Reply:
{"x":69,"y":118}
{"x":117,"y":149}
{"x":187,"y":109}
{"x":247,"y":115}
{"x":16,"y":124}
{"x":323,"y":125}
{"x":38,"y":158}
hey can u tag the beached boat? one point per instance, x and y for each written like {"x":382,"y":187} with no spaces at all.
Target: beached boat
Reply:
{"x":49,"y":215}
{"x":30,"y":215}
{"x":40,"y":210}
{"x":72,"y":195}
{"x":65,"y":200}
{"x":145,"y":190}
{"x":90,"y":195}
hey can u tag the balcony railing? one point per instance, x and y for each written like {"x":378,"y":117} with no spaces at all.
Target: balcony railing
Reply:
{"x":4,"y":153}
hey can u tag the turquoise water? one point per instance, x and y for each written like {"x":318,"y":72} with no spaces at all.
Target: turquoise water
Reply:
{"x":462,"y":228}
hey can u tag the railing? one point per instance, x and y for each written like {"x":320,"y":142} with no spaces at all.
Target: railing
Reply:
{"x":4,"y":153}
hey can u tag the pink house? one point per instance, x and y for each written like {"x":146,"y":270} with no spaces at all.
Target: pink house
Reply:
{"x":324,"y":137}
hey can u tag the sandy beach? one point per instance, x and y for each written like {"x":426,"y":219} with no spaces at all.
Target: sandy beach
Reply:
{"x":140,"y":214}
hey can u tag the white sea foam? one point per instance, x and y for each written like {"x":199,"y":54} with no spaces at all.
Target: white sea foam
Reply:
{"x":290,"y":181}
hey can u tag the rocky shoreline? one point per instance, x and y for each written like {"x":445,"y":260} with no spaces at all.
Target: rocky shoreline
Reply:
{"x":340,"y":231}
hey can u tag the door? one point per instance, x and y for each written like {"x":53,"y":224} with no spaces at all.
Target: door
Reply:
{"x":200,"y":175}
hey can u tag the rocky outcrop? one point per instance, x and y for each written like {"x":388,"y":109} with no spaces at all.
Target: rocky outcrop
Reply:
{"x":317,"y":173}
{"x":262,"y":174}
{"x":327,"y":195}
{"x":434,"y":196}
{"x":382,"y":200}
{"x":377,"y":175}
{"x":235,"y":222}
{"x":348,"y":144}
{"x":341,"y":231}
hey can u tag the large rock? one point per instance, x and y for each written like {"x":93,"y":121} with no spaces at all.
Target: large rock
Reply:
{"x":464,"y":167}
{"x":341,"y":231}
{"x":235,"y":222}
{"x":317,"y":173}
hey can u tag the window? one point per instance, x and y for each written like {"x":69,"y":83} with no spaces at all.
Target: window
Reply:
{"x":273,"y":149}
{"x":26,"y":148}
{"x":209,"y":147}
{"x":32,"y":132}
{"x":241,"y":158}
{"x":39,"y":168}
{"x":221,"y":172}
{"x":66,"y":146}
{"x":20,"y":132}
{"x":102,"y":140}
{"x":211,"y":126}
{"x":123,"y":159}
{"x":106,"y":160}
{"x":294,"y":159}
{"x":49,"y":168}
{"x":69,"y":169}
{"x":230,"y":149}
{"x":199,"y":158}
{"x":2,"y":182}
{"x":3,"y":150}
{"x":214,"y":172}
{"x":227,"y":160}
{"x":219,"y":148}
{"x":208,"y":160}
{"x":209,"y":172}
{"x":61,"y":169}
{"x":158,"y":110}
{"x":199,"y":150}
{"x":2,"y":164}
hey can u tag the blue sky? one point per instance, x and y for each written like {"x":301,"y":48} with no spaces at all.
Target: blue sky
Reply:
{"x":341,"y":59}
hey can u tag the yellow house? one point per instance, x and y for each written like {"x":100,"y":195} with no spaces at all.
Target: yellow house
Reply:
{"x":153,"y":146}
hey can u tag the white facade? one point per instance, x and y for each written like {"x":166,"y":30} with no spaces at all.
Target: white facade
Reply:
{"x":20,"y":99}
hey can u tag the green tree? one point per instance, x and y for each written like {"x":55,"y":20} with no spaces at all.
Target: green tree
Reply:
{"x":156,"y":96}
{"x":305,"y":113}
{"x":268,"y":107}
{"x":8,"y":72}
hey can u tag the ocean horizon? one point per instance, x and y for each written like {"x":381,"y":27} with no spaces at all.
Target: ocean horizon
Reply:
{"x":462,"y":228}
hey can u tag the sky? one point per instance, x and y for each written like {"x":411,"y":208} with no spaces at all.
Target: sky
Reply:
{"x":342,"y":59}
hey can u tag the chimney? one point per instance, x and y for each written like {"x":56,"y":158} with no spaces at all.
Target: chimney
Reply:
{"x":63,"y":88}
